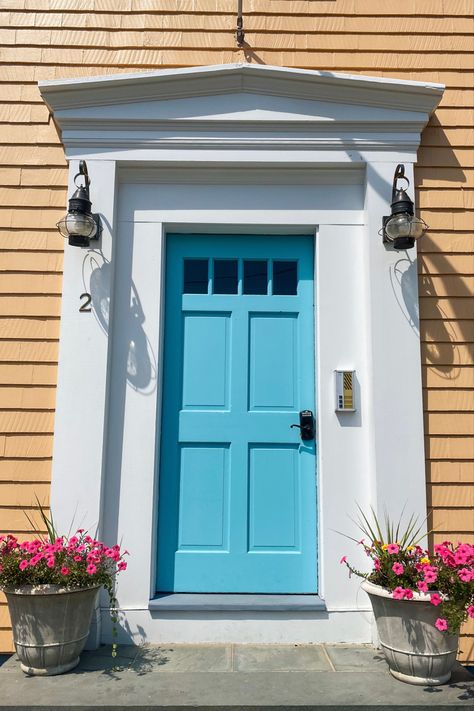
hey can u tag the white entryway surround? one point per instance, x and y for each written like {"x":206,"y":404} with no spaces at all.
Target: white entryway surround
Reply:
{"x":243,"y":149}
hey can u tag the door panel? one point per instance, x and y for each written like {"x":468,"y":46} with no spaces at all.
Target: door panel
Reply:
{"x":237,"y":493}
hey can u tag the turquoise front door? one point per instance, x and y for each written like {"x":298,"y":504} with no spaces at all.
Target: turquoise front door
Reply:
{"x":237,"y":488}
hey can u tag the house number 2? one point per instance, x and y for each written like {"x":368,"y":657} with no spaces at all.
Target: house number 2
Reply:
{"x":85,"y":307}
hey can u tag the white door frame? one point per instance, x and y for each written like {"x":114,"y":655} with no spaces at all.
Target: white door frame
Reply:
{"x":274,"y":133}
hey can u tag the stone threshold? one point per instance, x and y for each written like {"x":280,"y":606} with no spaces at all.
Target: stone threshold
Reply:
{"x":231,"y":602}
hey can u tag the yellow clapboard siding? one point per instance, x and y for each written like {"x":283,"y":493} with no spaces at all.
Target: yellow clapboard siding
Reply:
{"x":26,"y":446}
{"x":29,"y":398}
{"x":32,"y":218}
{"x":434,"y":136}
{"x":159,"y":19}
{"x":4,"y":617}
{"x":449,"y":117}
{"x":23,"y":283}
{"x":448,"y":219}
{"x":461,"y":423}
{"x":32,"y":155}
{"x":440,"y":157}
{"x":447,"y":242}
{"x":449,"y":400}
{"x":466,"y":650}
{"x":447,"y":264}
{"x":450,"y":496}
{"x":468,"y":627}
{"x":47,"y":328}
{"x":25,"y":470}
{"x":279,"y":7}
{"x":447,"y":376}
{"x":448,"y":472}
{"x":28,"y":374}
{"x":460,"y":199}
{"x":29,"y":351}
{"x":309,"y":59}
{"x":25,"y":421}
{"x":449,"y":447}
{"x":445,"y":354}
{"x":44,"y":176}
{"x":447,"y":308}
{"x":447,"y":286}
{"x":453,"y":519}
{"x":447,"y":331}
{"x":13,"y":520}
{"x":33,"y":197}
{"x":28,"y":262}
{"x":219,"y":38}
{"x":21,"y":240}
{"x":28,"y":305}
{"x":6,"y":641}
{"x":10,"y":176}
{"x":24,"y":494}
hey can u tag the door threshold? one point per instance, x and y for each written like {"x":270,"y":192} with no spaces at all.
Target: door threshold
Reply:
{"x":211,"y":602}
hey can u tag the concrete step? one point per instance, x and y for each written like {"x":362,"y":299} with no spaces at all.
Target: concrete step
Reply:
{"x":230,"y":678}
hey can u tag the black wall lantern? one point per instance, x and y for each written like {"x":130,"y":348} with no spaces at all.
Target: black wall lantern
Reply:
{"x":79,"y":225}
{"x":402,"y":228}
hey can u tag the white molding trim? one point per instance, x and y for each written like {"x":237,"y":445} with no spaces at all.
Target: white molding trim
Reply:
{"x":239,"y":107}
{"x":230,"y":78}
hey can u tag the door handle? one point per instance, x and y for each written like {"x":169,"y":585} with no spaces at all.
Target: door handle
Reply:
{"x":306,"y":425}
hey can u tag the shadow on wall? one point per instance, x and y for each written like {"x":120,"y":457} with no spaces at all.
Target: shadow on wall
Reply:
{"x":444,"y":325}
{"x":141,"y":367}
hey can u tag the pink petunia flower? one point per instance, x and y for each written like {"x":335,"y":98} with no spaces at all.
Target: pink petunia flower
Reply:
{"x":398,"y":593}
{"x":393,"y":548}
{"x":91,"y":569}
{"x":64,"y":570}
{"x":435,"y":599}
{"x":398,"y":568}
{"x":441,"y":624}
{"x":122,"y":565}
{"x":77,"y":558}
{"x":50,"y":561}
{"x":23,"y":564}
{"x":465,"y":575}
{"x":470,"y":611}
{"x":408,"y":594}
{"x":422,"y":586}
{"x":376,"y":564}
{"x":343,"y":559}
{"x":430,"y":576}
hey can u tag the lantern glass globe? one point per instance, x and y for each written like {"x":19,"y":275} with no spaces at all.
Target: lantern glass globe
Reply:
{"x":79,"y":224}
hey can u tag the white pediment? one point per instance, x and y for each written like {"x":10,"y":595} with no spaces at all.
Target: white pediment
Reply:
{"x":228,"y":103}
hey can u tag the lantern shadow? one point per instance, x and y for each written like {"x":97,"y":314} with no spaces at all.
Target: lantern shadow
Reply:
{"x":141,"y":368}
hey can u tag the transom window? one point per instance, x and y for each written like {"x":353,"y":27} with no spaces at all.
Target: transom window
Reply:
{"x":272,"y":277}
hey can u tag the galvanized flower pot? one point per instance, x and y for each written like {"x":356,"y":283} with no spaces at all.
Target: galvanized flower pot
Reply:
{"x":50,"y":626}
{"x":415,"y":650}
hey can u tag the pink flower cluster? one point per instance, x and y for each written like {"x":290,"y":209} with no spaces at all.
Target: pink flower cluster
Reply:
{"x":78,"y":561}
{"x":447,"y":576}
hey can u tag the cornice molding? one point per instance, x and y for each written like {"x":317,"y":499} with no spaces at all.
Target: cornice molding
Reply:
{"x":312,"y":110}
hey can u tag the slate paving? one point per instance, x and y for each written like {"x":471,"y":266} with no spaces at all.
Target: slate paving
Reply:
{"x":230,"y":678}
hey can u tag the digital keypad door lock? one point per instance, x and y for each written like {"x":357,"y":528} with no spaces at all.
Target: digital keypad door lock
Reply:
{"x":306,"y":425}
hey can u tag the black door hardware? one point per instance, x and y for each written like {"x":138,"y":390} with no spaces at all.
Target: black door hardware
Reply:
{"x":306,"y":425}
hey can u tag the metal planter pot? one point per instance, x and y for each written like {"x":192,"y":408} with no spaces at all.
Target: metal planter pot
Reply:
{"x":415,"y":650}
{"x":50,"y":626}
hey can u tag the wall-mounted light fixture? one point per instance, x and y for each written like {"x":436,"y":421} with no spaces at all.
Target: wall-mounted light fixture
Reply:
{"x":401,"y":228}
{"x":79,"y":225}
